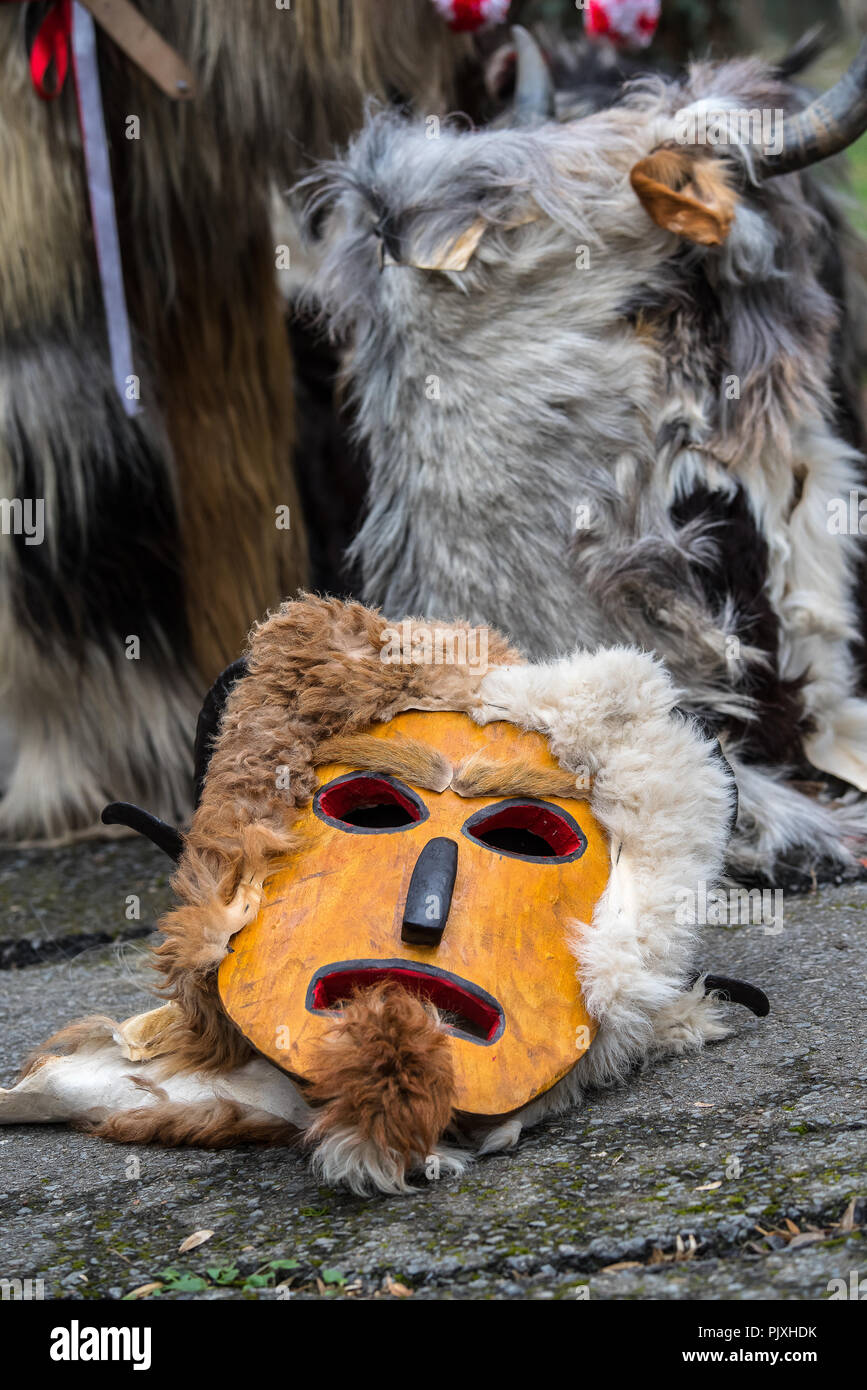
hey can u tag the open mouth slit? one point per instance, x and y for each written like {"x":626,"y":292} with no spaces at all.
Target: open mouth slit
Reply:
{"x":464,"y":1009}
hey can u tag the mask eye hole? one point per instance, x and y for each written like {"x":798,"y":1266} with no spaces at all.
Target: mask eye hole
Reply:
{"x":368,"y":803}
{"x":527,"y":829}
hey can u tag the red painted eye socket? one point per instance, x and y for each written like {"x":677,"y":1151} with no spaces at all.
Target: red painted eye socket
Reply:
{"x":368,"y":802}
{"x":527,"y":830}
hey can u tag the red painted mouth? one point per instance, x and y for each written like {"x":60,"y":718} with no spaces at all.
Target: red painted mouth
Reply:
{"x":466,"y":1010}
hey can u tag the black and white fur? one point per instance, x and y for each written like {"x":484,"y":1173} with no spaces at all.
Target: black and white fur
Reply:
{"x":500,"y":400}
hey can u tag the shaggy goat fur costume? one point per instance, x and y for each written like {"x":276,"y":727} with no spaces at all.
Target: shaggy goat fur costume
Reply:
{"x":162,"y":526}
{"x":586,"y":427}
{"x":184,"y":1074}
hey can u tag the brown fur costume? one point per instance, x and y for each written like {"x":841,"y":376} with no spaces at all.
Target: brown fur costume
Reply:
{"x":161,"y":527}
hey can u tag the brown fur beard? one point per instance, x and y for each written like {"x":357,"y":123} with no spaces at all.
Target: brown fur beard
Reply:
{"x":384,"y":1080}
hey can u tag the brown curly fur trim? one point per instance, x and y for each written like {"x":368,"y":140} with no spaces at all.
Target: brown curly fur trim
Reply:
{"x":314,"y":672}
{"x":385,"y":1073}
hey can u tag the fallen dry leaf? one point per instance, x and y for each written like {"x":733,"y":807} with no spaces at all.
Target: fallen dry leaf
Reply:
{"x":397,"y":1290}
{"x":709,"y":1187}
{"x":704,"y":1104}
{"x":808,"y":1238}
{"x":144,"y":1290}
{"x":197,"y":1238}
{"x":847,"y":1222}
{"x":795,"y":1230}
{"x":684,"y":1250}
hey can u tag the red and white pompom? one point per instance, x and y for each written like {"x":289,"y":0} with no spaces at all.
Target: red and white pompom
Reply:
{"x":466,"y":15}
{"x":627,"y":23}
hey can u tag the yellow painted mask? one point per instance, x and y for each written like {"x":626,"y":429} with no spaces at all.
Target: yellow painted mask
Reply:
{"x":455,"y":860}
{"x":459,"y":880}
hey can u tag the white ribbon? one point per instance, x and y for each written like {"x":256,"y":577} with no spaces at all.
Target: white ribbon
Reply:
{"x":102,"y":206}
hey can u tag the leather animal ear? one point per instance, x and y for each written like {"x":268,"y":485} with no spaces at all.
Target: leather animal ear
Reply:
{"x":687,"y":191}
{"x":457,"y":252}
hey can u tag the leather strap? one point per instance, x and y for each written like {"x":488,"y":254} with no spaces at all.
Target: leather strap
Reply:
{"x":140,"y":41}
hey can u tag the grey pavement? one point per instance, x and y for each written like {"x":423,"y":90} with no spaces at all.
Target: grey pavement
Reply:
{"x":736,"y":1174}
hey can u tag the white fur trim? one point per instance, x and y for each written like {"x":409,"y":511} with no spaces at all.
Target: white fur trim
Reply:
{"x":344,"y":1157}
{"x":666,"y":800}
{"x":98,"y":1080}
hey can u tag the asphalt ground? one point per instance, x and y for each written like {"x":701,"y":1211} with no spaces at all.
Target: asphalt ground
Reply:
{"x":738,"y":1173}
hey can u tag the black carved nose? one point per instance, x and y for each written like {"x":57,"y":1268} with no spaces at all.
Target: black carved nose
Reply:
{"x":430,"y":893}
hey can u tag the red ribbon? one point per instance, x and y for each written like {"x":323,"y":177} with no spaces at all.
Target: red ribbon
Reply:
{"x":51,"y":47}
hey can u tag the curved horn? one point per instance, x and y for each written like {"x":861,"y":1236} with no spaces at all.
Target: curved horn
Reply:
{"x":166,"y":837}
{"x":208,"y":724}
{"x":534,"y":89}
{"x":828,"y":125}
{"x":738,"y":992}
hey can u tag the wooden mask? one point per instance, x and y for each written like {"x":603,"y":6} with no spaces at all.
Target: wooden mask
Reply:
{"x":460,"y":879}
{"x":455,"y":860}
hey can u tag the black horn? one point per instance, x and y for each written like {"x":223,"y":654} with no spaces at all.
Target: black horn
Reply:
{"x":208,"y":724}
{"x":738,"y":992}
{"x":828,"y":125}
{"x":167,"y":837}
